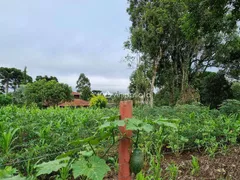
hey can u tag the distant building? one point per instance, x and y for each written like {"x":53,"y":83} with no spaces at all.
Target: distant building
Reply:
{"x":107,"y":94}
{"x":76,"y":102}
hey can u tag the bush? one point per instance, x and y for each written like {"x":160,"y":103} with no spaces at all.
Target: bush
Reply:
{"x":236,"y":90}
{"x":98,"y":101}
{"x":230,"y":106}
{"x":5,"y":100}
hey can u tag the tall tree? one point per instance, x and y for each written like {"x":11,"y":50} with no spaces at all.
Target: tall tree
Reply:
{"x":26,"y":77}
{"x":149,"y":31}
{"x":84,"y":87}
{"x":165,"y":32}
{"x":18,"y":97}
{"x":10,"y":78}
{"x":140,"y":82}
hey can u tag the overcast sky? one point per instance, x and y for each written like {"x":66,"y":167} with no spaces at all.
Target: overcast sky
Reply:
{"x":64,"y":38}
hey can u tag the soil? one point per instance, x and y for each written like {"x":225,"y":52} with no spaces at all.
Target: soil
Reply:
{"x":222,"y":166}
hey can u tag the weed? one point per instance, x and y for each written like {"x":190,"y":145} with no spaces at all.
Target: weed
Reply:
{"x":172,"y":170}
{"x":195,"y":166}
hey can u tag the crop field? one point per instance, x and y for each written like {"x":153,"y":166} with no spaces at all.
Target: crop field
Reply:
{"x":181,"y":142}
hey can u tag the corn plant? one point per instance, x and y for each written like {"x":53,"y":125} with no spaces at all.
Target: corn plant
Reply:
{"x":195,"y":166}
{"x":172,"y":170}
{"x":7,"y":139}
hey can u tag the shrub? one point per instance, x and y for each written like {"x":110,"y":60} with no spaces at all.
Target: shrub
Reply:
{"x":98,"y":101}
{"x":5,"y":100}
{"x":230,"y":106}
{"x":236,"y":90}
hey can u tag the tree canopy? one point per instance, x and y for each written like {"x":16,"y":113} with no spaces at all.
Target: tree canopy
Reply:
{"x":47,"y":93}
{"x":179,"y":40}
{"x":84,"y":87}
{"x":46,"y":78}
{"x":11,"y":78}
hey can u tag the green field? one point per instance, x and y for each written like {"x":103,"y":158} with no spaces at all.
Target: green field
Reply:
{"x":31,"y":136}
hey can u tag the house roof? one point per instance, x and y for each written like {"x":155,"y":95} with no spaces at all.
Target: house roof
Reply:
{"x":75,"y":103}
{"x":75,"y":93}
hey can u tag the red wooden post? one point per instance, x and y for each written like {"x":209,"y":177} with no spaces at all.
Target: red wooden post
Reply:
{"x":125,"y":144}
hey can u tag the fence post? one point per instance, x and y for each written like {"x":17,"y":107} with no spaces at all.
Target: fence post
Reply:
{"x":125,"y":144}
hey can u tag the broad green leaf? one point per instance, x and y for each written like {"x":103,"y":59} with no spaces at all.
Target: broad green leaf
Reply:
{"x":168,"y":123}
{"x":82,"y":141}
{"x":49,"y":167}
{"x":95,"y":141}
{"x":119,"y":123}
{"x":18,"y":177}
{"x":147,"y":127}
{"x":94,"y":168}
{"x":133,"y":124}
{"x":111,"y":118}
{"x":112,"y":124}
{"x":86,"y":153}
{"x":105,"y":125}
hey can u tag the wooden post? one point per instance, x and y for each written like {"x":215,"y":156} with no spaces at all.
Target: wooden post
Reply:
{"x":125,"y":144}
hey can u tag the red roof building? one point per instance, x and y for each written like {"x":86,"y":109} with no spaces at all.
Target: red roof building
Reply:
{"x":76,"y":102}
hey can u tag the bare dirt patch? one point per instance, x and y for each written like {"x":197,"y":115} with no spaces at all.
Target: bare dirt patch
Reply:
{"x":221,"y":167}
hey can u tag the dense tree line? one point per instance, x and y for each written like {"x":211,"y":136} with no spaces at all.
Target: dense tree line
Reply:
{"x":17,"y":87}
{"x":177,"y":42}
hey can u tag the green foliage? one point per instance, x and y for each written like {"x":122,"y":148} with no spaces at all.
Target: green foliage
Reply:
{"x":84,"y":87}
{"x":5,"y":100}
{"x":140,"y":176}
{"x":51,"y":166}
{"x":38,"y":78}
{"x":6,"y":140}
{"x":140,"y":82}
{"x":98,"y":101}
{"x":93,"y":168}
{"x":172,"y":171}
{"x":138,"y":125}
{"x":180,"y":40}
{"x":230,"y":106}
{"x":26,"y":77}
{"x":214,"y":90}
{"x":47,"y":93}
{"x":195,"y":166}
{"x":8,"y":173}
{"x":236,"y":90}
{"x":11,"y":78}
{"x":19,"y":96}
{"x":43,"y":134}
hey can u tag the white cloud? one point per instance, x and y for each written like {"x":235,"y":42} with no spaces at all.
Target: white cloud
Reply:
{"x":99,"y":82}
{"x":66,"y":38}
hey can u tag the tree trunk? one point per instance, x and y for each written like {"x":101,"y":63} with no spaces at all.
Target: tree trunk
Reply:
{"x":185,"y":73}
{"x":155,"y":66}
{"x":6,"y":87}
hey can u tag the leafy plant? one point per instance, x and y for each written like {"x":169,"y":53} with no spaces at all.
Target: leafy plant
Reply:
{"x":51,"y":166}
{"x":172,"y":170}
{"x":9,"y":173}
{"x":195,"y":166}
{"x":98,"y":101}
{"x":7,"y":139}
{"x":140,"y":176}
{"x":230,"y":106}
{"x":93,"y":168}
